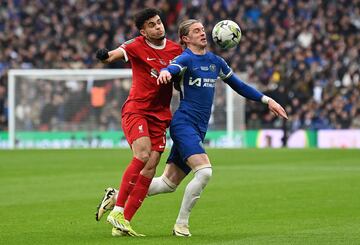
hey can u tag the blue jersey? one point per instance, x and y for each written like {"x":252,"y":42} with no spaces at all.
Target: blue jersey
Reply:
{"x":199,"y":74}
{"x":197,"y":86}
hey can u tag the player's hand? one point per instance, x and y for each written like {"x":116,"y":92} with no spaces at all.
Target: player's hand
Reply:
{"x":164,"y":77}
{"x":102,"y":54}
{"x":277,"y":109}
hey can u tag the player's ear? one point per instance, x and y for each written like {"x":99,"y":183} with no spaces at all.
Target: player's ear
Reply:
{"x":142,"y":32}
{"x":185,"y":38}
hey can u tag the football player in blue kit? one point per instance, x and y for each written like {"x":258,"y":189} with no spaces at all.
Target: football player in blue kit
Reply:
{"x":199,"y":70}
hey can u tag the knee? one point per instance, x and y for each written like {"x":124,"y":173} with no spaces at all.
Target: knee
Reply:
{"x":204,"y":175}
{"x":143,"y":156}
{"x":149,"y":169}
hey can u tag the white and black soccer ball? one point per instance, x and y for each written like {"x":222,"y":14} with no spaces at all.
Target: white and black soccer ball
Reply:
{"x":226,"y":34}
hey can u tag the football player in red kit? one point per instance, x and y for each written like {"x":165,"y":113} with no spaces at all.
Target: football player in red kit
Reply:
{"x":145,"y":114}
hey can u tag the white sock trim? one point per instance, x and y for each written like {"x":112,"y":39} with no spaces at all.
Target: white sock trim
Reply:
{"x":199,"y":167}
{"x":119,"y":209}
{"x":161,"y":185}
{"x":168,"y":182}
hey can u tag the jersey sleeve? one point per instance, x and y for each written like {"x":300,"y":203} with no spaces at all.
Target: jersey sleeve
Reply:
{"x":225,"y":71}
{"x":128,"y":48}
{"x":243,"y":89}
{"x":178,"y":64}
{"x":181,"y":61}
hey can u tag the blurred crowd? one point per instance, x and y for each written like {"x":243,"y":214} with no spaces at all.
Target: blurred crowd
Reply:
{"x":305,"y":54}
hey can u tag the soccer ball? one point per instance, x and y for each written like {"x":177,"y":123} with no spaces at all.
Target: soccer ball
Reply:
{"x":226,"y":34}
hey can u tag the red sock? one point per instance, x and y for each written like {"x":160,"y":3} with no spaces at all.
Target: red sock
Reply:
{"x":128,"y":181}
{"x":137,"y":196}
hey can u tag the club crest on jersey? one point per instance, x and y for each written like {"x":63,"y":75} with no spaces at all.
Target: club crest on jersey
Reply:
{"x":162,"y":62}
{"x":212,"y":67}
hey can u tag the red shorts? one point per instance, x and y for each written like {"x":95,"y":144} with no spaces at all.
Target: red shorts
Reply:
{"x":136,"y":126}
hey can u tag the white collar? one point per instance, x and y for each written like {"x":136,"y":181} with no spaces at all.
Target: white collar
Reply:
{"x":155,"y":46}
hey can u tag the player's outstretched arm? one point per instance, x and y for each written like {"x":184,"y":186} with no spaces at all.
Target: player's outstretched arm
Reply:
{"x":251,"y":93}
{"x":106,"y":56}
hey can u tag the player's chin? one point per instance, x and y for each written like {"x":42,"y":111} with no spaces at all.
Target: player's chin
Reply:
{"x":161,"y":37}
{"x":203,"y":44}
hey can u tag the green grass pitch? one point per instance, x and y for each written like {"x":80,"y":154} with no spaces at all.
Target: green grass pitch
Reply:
{"x":254,"y":197}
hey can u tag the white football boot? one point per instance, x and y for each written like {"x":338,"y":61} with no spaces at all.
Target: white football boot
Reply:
{"x":181,"y":230}
{"x":107,"y":203}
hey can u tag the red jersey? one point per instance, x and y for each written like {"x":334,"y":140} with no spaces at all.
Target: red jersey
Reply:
{"x":146,"y":97}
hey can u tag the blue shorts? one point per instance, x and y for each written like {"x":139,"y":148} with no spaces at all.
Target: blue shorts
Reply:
{"x":188,"y":140}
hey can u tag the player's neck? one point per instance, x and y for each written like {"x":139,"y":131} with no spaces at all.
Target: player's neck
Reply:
{"x":197,"y":50}
{"x":155,"y":42}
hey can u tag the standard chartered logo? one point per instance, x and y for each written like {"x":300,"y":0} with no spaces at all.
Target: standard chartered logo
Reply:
{"x":202,"y":82}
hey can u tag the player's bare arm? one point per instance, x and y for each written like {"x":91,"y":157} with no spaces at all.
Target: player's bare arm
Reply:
{"x":106,"y":56}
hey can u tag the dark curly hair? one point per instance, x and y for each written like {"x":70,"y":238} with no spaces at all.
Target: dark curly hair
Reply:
{"x":144,"y":15}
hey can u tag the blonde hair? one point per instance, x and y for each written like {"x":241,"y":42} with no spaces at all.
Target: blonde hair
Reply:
{"x":184,"y":28}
